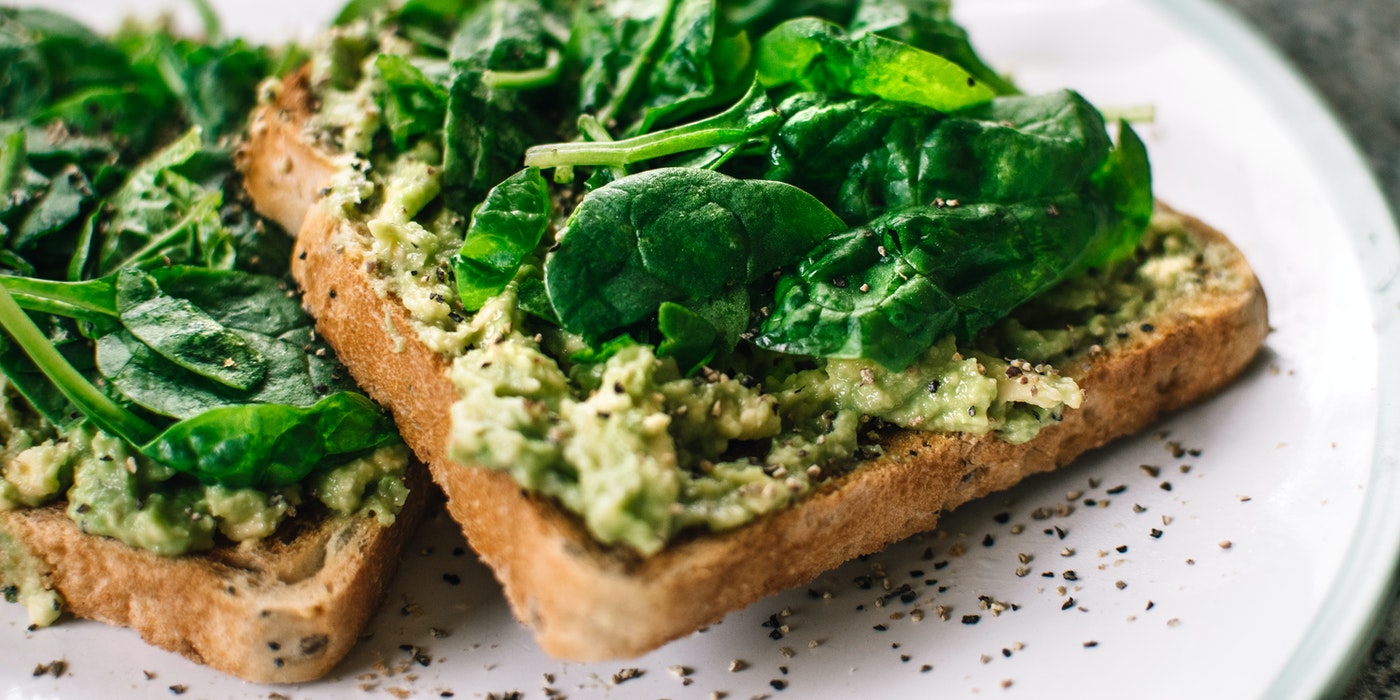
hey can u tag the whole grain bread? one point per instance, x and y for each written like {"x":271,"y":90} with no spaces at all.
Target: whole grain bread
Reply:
{"x":282,"y":610}
{"x":589,"y":602}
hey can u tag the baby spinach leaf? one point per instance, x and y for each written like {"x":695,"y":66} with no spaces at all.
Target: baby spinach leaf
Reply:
{"x":184,"y":334}
{"x":611,"y":44}
{"x":488,"y":127}
{"x":64,"y":202}
{"x":888,"y":290}
{"x":865,"y":157}
{"x":271,"y":445}
{"x":928,"y":25}
{"x":413,"y":105}
{"x":294,"y":376}
{"x":675,"y":234}
{"x":697,"y":65}
{"x":505,"y":228}
{"x":160,"y":216}
{"x":814,"y":54}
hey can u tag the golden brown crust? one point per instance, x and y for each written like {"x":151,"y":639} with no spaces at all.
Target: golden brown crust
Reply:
{"x":588,"y":603}
{"x":284,"y":610}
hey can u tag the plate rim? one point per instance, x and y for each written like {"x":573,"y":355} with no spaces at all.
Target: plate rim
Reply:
{"x":1329,"y":656}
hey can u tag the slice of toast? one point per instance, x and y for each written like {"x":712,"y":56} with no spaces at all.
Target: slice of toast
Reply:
{"x":589,"y":602}
{"x":282,"y":610}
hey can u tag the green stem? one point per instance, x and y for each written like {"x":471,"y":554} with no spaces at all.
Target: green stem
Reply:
{"x":524,"y":79}
{"x":101,"y":410}
{"x":60,"y":299}
{"x":732,"y":126}
{"x":11,"y":157}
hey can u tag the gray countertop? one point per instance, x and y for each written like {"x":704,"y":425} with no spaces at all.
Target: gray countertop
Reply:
{"x":1350,"y":51}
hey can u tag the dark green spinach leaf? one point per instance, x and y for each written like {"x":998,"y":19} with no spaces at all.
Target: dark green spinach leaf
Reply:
{"x":504,"y":230}
{"x":675,"y":234}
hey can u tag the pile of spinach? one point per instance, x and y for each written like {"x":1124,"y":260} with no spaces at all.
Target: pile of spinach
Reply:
{"x":830,"y":179}
{"x":139,"y":292}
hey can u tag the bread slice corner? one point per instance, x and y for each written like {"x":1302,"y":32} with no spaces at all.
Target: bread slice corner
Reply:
{"x":285,"y":609}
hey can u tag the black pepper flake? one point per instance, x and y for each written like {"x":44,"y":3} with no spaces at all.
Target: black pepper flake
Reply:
{"x":179,"y":689}
{"x":332,"y":293}
{"x":274,"y":646}
{"x":1069,"y":603}
{"x":905,"y":658}
{"x":1060,"y":532}
{"x":1165,"y":486}
{"x":971,"y":619}
{"x":775,"y":634}
{"x":1147,"y":328}
{"x":1002,"y":518}
{"x":928,"y":554}
{"x":1156,"y":534}
{"x":1070,"y":575}
{"x":83,"y":508}
{"x":452,"y":579}
{"x":1121,"y":549}
{"x":988,"y":541}
{"x":1090,"y":644}
{"x":863,"y":582}
{"x":940,"y":565}
{"x":1117,"y":490}
{"x":925,"y":668}
{"x":778,"y":684}
{"x":839,"y":282}
{"x":879,"y":628}
{"x":1006,"y":652}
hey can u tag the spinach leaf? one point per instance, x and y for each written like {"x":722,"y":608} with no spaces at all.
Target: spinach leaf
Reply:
{"x":864,"y":157}
{"x":889,"y":290}
{"x":611,"y":45}
{"x":928,"y":25}
{"x":697,"y":65}
{"x":182,"y":333}
{"x":814,"y":54}
{"x":488,"y":127}
{"x":413,"y":105}
{"x":68,"y":195}
{"x":674,"y":234}
{"x":160,"y":216}
{"x":271,"y":445}
{"x":294,"y":376}
{"x":749,"y":119}
{"x":504,"y":229}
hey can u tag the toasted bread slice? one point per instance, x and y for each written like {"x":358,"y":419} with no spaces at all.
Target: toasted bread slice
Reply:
{"x":282,"y":610}
{"x":589,"y":602}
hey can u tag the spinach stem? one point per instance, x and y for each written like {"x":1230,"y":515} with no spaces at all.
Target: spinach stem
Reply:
{"x":101,"y":410}
{"x":524,"y":79}
{"x":58,"y":298}
{"x":733,"y":126}
{"x":11,"y":157}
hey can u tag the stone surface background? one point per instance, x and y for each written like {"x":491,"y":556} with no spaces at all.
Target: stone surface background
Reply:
{"x":1350,"y":51}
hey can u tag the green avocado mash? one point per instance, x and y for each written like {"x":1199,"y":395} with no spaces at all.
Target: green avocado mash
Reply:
{"x":640,"y":441}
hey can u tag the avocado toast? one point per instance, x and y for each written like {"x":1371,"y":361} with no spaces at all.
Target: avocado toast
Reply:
{"x":182,"y":455}
{"x":604,"y":561}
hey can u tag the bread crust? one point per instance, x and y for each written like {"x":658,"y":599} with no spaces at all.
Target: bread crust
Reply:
{"x":282,"y":610}
{"x":586,"y":602}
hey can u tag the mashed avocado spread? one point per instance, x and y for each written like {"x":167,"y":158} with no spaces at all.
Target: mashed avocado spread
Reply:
{"x":638,"y":446}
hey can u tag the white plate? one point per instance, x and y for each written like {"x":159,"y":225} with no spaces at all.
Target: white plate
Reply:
{"x":1288,"y":467}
